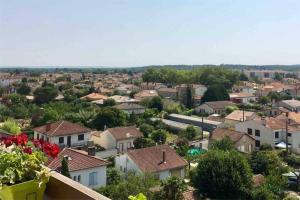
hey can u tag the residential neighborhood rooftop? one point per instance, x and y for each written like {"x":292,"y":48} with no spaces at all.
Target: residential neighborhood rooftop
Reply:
{"x":150,"y":159}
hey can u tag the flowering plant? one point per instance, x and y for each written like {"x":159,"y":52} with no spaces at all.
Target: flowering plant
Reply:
{"x":22,"y":160}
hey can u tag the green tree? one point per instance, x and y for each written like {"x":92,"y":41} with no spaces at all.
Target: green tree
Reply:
{"x":243,"y":77}
{"x":159,"y":136}
{"x":190,"y":132}
{"x":230,"y":109}
{"x":45,"y":94}
{"x":146,"y":129}
{"x":156,"y":102}
{"x":222,"y":174}
{"x":133,"y":184}
{"x":264,"y":162}
{"x":65,"y":167}
{"x":23,"y":89}
{"x":215,"y":93}
{"x":173,"y":188}
{"x":189,"y":97}
{"x":113,"y":176}
{"x":224,"y":144}
{"x":109,"y":102}
{"x":264,"y":100}
{"x":142,"y":143}
{"x":278,"y":76}
{"x":109,"y":117}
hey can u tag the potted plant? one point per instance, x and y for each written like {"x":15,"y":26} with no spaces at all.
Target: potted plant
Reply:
{"x":22,"y":172}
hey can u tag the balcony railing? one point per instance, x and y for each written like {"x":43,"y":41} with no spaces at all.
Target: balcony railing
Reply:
{"x":60,"y":187}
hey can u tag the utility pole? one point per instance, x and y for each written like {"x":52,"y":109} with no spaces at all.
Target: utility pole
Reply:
{"x":286,"y":133}
{"x":202,"y":127}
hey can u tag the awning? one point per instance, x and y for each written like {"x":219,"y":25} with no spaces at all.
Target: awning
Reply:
{"x":282,"y":145}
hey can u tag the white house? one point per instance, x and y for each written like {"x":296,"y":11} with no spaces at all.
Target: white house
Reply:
{"x":120,"y":138}
{"x":292,"y":105}
{"x":213,"y":107}
{"x":265,"y":130}
{"x":83,"y":167}
{"x":162,"y":161}
{"x":63,"y":133}
{"x":238,"y":116}
{"x":242,"y":97}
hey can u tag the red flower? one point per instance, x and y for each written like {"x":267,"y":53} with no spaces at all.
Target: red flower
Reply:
{"x":8,"y":142}
{"x":27,"y":150}
{"x":55,"y":150}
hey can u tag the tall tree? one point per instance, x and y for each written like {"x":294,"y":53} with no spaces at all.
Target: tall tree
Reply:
{"x":215,"y":93}
{"x":189,"y":97}
{"x":65,"y":167}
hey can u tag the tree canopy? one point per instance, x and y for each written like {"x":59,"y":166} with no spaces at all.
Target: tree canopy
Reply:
{"x":223,"y":174}
{"x":215,"y":93}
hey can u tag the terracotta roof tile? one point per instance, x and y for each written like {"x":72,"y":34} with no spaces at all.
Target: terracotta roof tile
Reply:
{"x":219,"y":104}
{"x":221,"y":133}
{"x":61,"y":128}
{"x":78,"y":160}
{"x":150,"y":159}
{"x":237,"y":115}
{"x":120,"y":133}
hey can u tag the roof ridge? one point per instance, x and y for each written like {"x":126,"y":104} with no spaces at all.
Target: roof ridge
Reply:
{"x":87,"y":155}
{"x":62,"y":121}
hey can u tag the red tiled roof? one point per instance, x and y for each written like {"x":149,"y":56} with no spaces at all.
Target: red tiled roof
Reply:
{"x":219,"y":104}
{"x":120,"y":133}
{"x":234,"y":136}
{"x":78,"y":160}
{"x":61,"y":128}
{"x":150,"y":159}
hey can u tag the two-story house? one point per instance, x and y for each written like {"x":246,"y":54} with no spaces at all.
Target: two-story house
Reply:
{"x":120,"y":138}
{"x":84,"y":167}
{"x":161,"y":160}
{"x":63,"y":133}
{"x":265,"y":130}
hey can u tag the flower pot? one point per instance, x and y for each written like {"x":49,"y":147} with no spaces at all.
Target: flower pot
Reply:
{"x":29,"y":190}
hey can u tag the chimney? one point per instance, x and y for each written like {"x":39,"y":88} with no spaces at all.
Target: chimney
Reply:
{"x":91,"y":151}
{"x":48,"y":127}
{"x":164,"y":156}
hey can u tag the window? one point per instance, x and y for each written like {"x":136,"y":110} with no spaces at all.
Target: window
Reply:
{"x":81,"y":137}
{"x":93,"y":178}
{"x":257,"y":133}
{"x":74,"y":178}
{"x":47,"y":138}
{"x":79,"y":178}
{"x":289,"y":134}
{"x":276,"y":134}
{"x":61,"y":140}
{"x":257,"y":143}
{"x":121,"y":147}
{"x":37,"y":136}
{"x":43,"y":137}
{"x":249,"y":131}
{"x":129,"y":145}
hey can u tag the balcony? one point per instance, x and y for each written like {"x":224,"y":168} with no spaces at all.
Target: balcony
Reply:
{"x":60,"y":187}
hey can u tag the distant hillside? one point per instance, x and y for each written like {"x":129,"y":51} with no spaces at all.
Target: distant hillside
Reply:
{"x":98,"y":69}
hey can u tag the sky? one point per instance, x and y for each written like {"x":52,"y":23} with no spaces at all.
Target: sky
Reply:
{"x":123,"y":33}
